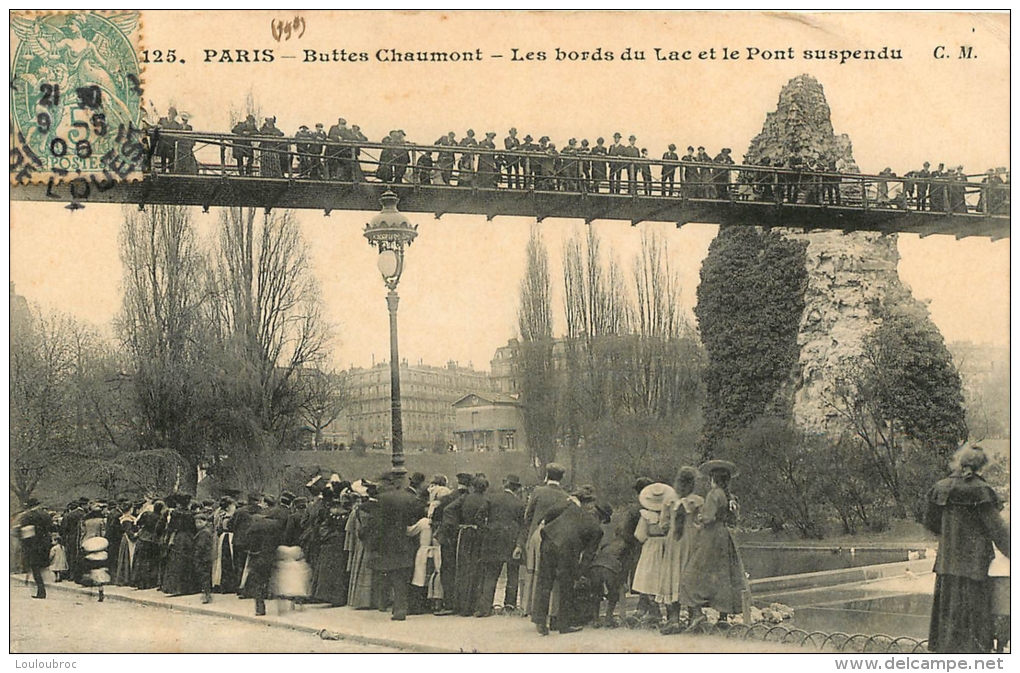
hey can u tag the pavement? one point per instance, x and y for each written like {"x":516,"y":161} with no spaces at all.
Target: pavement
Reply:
{"x":69,"y":622}
{"x":425,"y":633}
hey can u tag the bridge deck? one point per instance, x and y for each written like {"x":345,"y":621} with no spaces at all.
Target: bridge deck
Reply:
{"x":209,"y":191}
{"x":198,"y":169}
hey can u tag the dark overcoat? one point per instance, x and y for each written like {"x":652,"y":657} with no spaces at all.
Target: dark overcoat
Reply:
{"x":506,"y":520}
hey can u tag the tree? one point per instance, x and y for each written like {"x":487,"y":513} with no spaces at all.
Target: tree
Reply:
{"x":750,"y":303}
{"x":325,"y":397}
{"x":64,"y":416}
{"x":665,"y":359}
{"x":534,"y":357}
{"x":42,"y":363}
{"x":788,"y":475}
{"x":902,"y":401}
{"x":598,"y":313}
{"x":270,"y":328}
{"x":161,"y":326}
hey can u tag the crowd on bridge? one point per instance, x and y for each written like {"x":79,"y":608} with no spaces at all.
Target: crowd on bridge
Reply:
{"x":415,"y":546}
{"x":339,"y":154}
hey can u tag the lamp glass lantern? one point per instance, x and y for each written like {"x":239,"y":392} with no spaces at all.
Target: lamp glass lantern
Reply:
{"x":390,"y":232}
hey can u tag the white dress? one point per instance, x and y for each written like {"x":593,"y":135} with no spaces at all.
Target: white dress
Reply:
{"x":651,"y":533}
{"x":293,"y":575}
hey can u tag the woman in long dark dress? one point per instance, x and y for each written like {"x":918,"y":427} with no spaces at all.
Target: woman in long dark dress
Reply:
{"x":331,"y":578}
{"x":178,"y":576}
{"x":713,"y":575}
{"x":963,"y":510}
{"x":473,"y":515}
{"x":126,"y":552}
{"x":145,"y":568}
{"x":363,"y":593}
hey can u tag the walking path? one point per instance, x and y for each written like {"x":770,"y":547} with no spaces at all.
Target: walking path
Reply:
{"x":427,"y":633}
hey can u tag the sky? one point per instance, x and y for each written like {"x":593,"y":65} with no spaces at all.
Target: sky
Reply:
{"x":460,"y":284}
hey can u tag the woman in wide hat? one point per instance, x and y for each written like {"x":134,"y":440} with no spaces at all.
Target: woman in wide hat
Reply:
{"x":652,"y":530}
{"x":713,"y":575}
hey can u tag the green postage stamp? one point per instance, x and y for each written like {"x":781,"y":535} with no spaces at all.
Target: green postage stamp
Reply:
{"x":76,"y":97}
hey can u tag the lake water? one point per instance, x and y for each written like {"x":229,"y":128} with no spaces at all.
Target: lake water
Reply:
{"x":903,"y":615}
{"x":762,"y":562}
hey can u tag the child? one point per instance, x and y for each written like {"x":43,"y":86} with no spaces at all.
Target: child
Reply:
{"x":606,"y":571}
{"x":58,"y":559}
{"x":293,"y":576}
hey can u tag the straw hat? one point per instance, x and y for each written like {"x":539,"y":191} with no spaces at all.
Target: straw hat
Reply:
{"x":656,"y":496}
{"x":711,"y":466}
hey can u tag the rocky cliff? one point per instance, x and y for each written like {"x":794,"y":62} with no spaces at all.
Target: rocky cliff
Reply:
{"x":849,"y":275}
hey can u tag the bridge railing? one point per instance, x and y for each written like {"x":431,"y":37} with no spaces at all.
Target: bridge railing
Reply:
{"x":476,"y":167}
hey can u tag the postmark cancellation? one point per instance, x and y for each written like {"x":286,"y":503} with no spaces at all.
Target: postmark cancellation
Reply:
{"x":76,"y":97}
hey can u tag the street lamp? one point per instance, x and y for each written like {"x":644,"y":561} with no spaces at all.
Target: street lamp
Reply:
{"x":390,"y":232}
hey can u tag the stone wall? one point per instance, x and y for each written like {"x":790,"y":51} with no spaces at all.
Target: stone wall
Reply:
{"x":849,"y":275}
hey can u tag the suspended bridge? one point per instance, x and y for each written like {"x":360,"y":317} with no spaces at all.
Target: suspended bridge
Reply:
{"x":271,"y":172}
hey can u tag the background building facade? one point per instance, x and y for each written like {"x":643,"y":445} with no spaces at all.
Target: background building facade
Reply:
{"x":427,"y":397}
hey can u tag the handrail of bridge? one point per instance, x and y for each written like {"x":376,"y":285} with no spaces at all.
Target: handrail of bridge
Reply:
{"x":575,"y":172}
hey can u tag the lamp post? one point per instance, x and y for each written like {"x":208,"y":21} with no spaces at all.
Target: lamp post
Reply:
{"x":390,"y":231}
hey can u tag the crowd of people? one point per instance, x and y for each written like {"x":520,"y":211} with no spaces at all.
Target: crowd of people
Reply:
{"x":579,"y":166}
{"x":414,"y":546}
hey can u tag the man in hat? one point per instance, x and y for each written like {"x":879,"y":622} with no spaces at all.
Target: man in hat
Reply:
{"x":599,"y":169}
{"x":488,"y":168}
{"x":446,"y":525}
{"x":400,"y":156}
{"x":242,"y":149}
{"x":70,"y":532}
{"x":721,"y":176}
{"x":569,"y":167}
{"x":499,"y":539}
{"x":703,"y":173}
{"x":542,"y":166}
{"x":263,"y":536}
{"x":645,"y":171}
{"x":317,"y":170}
{"x":668,"y":173}
{"x":543,"y":499}
{"x":166,"y":148}
{"x":570,"y":540}
{"x":384,"y":171}
{"x":466,"y":163}
{"x":446,"y":159}
{"x":584,"y":166}
{"x":239,"y":524}
{"x":397,"y":510}
{"x":36,"y":525}
{"x":512,"y":162}
{"x":338,"y":158}
{"x":529,"y":164}
{"x":631,"y":151}
{"x":688,"y":174}
{"x":616,"y":150}
{"x":302,"y":143}
{"x":922,"y":185}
